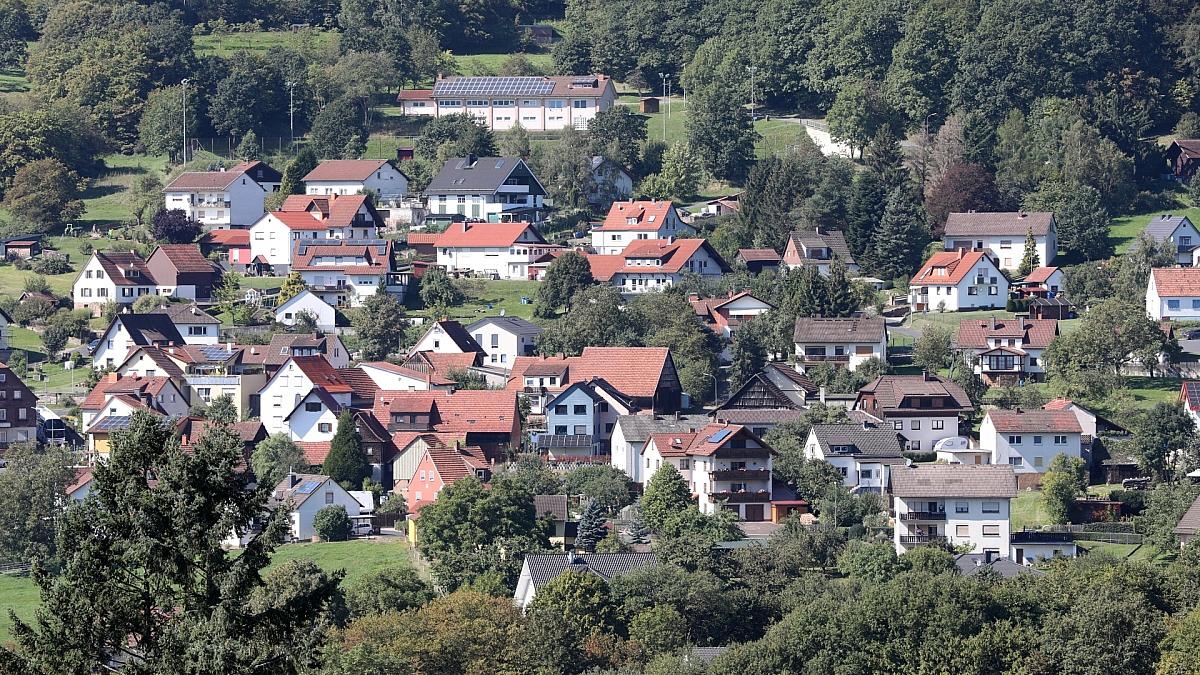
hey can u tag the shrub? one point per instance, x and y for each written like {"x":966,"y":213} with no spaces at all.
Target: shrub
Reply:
{"x":332,"y":524}
{"x":51,"y":264}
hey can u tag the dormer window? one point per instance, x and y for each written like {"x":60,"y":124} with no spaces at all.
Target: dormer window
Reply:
{"x":842,"y":449}
{"x":632,"y":220}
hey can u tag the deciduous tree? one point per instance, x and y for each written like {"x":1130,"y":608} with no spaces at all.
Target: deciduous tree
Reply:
{"x":173,"y":226}
{"x":275,"y":457}
{"x":379,"y":326}
{"x":565,"y":276}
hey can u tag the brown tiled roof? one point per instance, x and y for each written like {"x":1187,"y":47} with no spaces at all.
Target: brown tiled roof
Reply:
{"x":648,"y":215}
{"x":1033,"y":333}
{"x":1041,"y":275}
{"x":833,"y":240}
{"x":459,"y":412}
{"x":954,"y":480}
{"x":114,"y":385}
{"x":279,"y":350}
{"x":185,"y":258}
{"x":421,"y":238}
{"x":115,"y":263}
{"x":1189,"y":524}
{"x":415,"y":95}
{"x":550,"y":506}
{"x":160,"y":358}
{"x":227,"y":237}
{"x":817,"y":329}
{"x":956,"y":265}
{"x":360,"y":259}
{"x":1058,"y":404}
{"x":456,"y":462}
{"x":203,"y":180}
{"x":434,"y":377}
{"x":321,"y":373}
{"x":891,"y":390}
{"x":444,"y":364}
{"x":759,"y":255}
{"x":335,"y":211}
{"x":1032,"y":421}
{"x":1015,"y":223}
{"x":345,"y":169}
{"x":1176,"y":281}
{"x":315,"y":452}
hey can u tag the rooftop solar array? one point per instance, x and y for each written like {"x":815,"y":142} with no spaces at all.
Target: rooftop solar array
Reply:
{"x":564,"y":441}
{"x":112,"y":423}
{"x":215,"y":352}
{"x":720,"y":436}
{"x":308,"y":487}
{"x":494,"y":86}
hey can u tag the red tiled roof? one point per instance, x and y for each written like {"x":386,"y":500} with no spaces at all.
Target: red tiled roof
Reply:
{"x":83,"y":476}
{"x":336,"y":211}
{"x":672,"y":445}
{"x":415,"y":95}
{"x":360,"y":259}
{"x":345,"y":169}
{"x":300,"y":220}
{"x":447,"y":363}
{"x":115,"y":263}
{"x":227,"y":237}
{"x":1032,"y":333}
{"x":135,"y":385}
{"x":484,"y":235}
{"x":1041,"y":275}
{"x":1059,"y":421}
{"x":185,"y":258}
{"x":455,"y":463}
{"x":459,"y":412}
{"x":956,"y":266}
{"x":673,"y":255}
{"x":633,"y":371}
{"x":434,"y":377}
{"x":1176,"y":281}
{"x":315,"y":452}
{"x":1189,"y":393}
{"x":759,"y":254}
{"x":321,"y":373}
{"x":421,"y":238}
{"x":646,"y":216}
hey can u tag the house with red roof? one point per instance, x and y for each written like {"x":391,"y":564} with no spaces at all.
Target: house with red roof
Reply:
{"x":357,"y":177}
{"x":1042,"y":282}
{"x":345,"y":272}
{"x":230,"y":246}
{"x":221,"y":200}
{"x":959,"y":279}
{"x":389,"y":376}
{"x":501,"y":250}
{"x":649,"y":265}
{"x":443,"y":465}
{"x":116,"y":395}
{"x":286,"y":391}
{"x":1003,"y":234}
{"x":632,"y":221}
{"x":1006,"y":351}
{"x":644,"y":376}
{"x":112,"y":276}
{"x":1029,"y":440}
{"x":305,"y":218}
{"x":725,"y":465}
{"x":485,"y":418}
{"x":723,"y":315}
{"x":1174,"y":293}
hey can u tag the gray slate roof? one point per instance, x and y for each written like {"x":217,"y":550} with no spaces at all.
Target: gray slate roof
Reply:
{"x":1015,"y":223}
{"x":833,"y":240}
{"x":550,"y":506}
{"x":546,"y":566}
{"x":970,"y":564}
{"x":487,"y":174}
{"x":875,"y":441}
{"x":639,"y":428}
{"x":1164,"y":226}
{"x":816,"y":329}
{"x":513,"y":324}
{"x":1189,"y":524}
{"x":955,"y":480}
{"x":186,"y":313}
{"x":148,"y":329}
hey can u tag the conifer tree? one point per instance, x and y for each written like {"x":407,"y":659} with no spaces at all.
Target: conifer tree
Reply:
{"x":591,"y":527}
{"x":868,"y":198}
{"x":841,"y":302}
{"x":1030,"y":260}
{"x":639,"y":532}
{"x":902,"y":236}
{"x":346,"y":462}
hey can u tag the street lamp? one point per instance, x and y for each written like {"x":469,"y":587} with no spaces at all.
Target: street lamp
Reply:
{"x":714,"y":379}
{"x":291,"y":111}
{"x":664,"y":77}
{"x":753,"y":109}
{"x":185,"y":84}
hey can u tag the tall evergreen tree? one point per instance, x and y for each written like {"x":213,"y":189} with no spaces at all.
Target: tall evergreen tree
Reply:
{"x":902,"y":236}
{"x":814,"y":292}
{"x":868,"y":198}
{"x":639,"y":532}
{"x":1030,"y":260}
{"x":719,"y":130}
{"x":591,"y":527}
{"x":144,"y":577}
{"x":748,"y":353}
{"x":841,"y":301}
{"x":300,"y":166}
{"x":346,"y":462}
{"x":885,"y":159}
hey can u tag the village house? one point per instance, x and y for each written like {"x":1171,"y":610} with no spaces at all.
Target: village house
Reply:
{"x":306,"y":218}
{"x":500,"y":250}
{"x":536,"y":103}
{"x":956,"y":280}
{"x":487,"y":418}
{"x":1029,"y":440}
{"x":632,"y":221}
{"x":554,"y":510}
{"x":646,"y":376}
{"x":409,"y":449}
{"x":657,"y":264}
{"x":197,"y":326}
{"x":180,"y":271}
{"x":264,"y":174}
{"x":818,"y":248}
{"x":289,"y":312}
{"x":1176,"y":231}
{"x":725,"y":465}
{"x":632,"y":432}
{"x":865,"y":454}
{"x":305,"y":495}
{"x":1006,"y":351}
{"x":134,"y":330}
{"x":610,"y":182}
{"x":1003,"y":234}
{"x":388,"y":376}
{"x":284,"y":346}
{"x":286,"y":390}
{"x":923,"y":409}
{"x":218,"y":200}
{"x":442,"y":466}
{"x":1183,"y":157}
{"x":723,"y":315}
{"x":189,"y":429}
{"x":231,"y":247}
{"x":957,"y":504}
{"x":841,"y":341}
{"x":1042,"y":282}
{"x":504,"y":338}
{"x":345,"y":272}
{"x":447,"y":336}
{"x":1174,"y":293}
{"x":723,"y":206}
{"x":539,"y":569}
{"x":776,"y":394}
{"x":492,"y":189}
{"x":110,"y":405}
{"x":18,"y":410}
{"x":1189,"y":397}
{"x":758,"y":259}
{"x":586,"y":411}
{"x":111,"y":276}
{"x":358,"y":177}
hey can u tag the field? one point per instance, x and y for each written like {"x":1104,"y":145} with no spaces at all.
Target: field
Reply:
{"x":228,"y":43}
{"x":490,"y":64}
{"x":355,"y":557}
{"x":1028,"y":510}
{"x":486,"y":298}
{"x":1125,"y":230}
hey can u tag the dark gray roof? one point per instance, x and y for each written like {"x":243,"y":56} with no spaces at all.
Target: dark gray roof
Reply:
{"x":550,"y":506}
{"x":1164,"y":226}
{"x":486,"y":174}
{"x":816,"y":329}
{"x":833,"y":240}
{"x":1189,"y":524}
{"x":752,"y":416}
{"x":545,"y":566}
{"x":708,"y":654}
{"x":513,"y":324}
{"x":955,"y":480}
{"x":970,"y":564}
{"x":862,"y":441}
{"x":150,"y":329}
{"x":186,"y":313}
{"x":638,"y":428}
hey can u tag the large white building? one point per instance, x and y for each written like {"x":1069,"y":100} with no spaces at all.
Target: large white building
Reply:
{"x":1029,"y":440}
{"x":1174,"y":293}
{"x":631,"y":221}
{"x":309,"y":217}
{"x":219,"y":200}
{"x":504,"y":338}
{"x":536,"y":103}
{"x":725,"y":465}
{"x":357,"y":176}
{"x":865,"y":454}
{"x":962,"y":505}
{"x":1003,"y":235}
{"x":657,"y":264}
{"x":954,"y":280}
{"x":345,"y":272}
{"x":502,"y":249}
{"x":486,"y":188}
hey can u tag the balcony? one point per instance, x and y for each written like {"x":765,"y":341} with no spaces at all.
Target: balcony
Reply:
{"x":1041,"y":537}
{"x":825,"y":358}
{"x":741,"y":474}
{"x":741,"y":497}
{"x":914,"y":539}
{"x":923,"y":515}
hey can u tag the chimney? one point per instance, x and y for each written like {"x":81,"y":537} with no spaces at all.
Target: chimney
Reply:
{"x":470,"y":160}
{"x":993,"y":322}
{"x":571,"y":558}
{"x":927,"y":376}
{"x":675,"y":416}
{"x":112,"y":377}
{"x":292,"y":479}
{"x":961,"y":252}
{"x":868,"y":425}
{"x":821,"y":394}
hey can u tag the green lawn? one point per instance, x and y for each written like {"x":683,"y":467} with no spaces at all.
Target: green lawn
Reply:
{"x":1028,"y":510}
{"x":501,"y":295}
{"x":489,"y":64}
{"x":952,"y":319}
{"x":1147,"y":391}
{"x":261,"y":282}
{"x":12,"y":279}
{"x":1126,"y":229}
{"x":654,"y":125}
{"x":13,"y":80}
{"x":228,"y":43}
{"x":105,"y":201}
{"x":356,"y":557}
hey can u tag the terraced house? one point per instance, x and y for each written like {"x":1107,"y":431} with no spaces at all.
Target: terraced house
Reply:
{"x":536,"y":103}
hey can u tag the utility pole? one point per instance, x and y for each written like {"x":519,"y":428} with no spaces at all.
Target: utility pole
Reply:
{"x":663,"y":77}
{"x":753,"y":108}
{"x":185,"y":84}
{"x":292,"y":111}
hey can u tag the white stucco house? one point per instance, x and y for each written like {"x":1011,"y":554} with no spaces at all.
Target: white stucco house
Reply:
{"x":1174,"y":293}
{"x":1029,"y":440}
{"x":631,"y":221}
{"x":1003,"y":234}
{"x":864,"y":453}
{"x":289,"y":312}
{"x":504,"y":338}
{"x":542,"y":103}
{"x":1006,"y":351}
{"x":345,"y":272}
{"x":288,"y":387}
{"x":129,"y":331}
{"x":309,"y":218}
{"x":112,"y":276}
{"x":306,"y":494}
{"x":923,"y":409}
{"x":357,"y":176}
{"x":841,"y":341}
{"x":493,"y":189}
{"x":957,"y":504}
{"x":725,"y":465}
{"x":650,"y":265}
{"x":502,"y":249}
{"x":959,"y":279}
{"x":1179,"y":232}
{"x":218,"y":200}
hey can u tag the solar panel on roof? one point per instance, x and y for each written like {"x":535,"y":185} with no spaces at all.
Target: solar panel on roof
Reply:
{"x":113,"y":423}
{"x":720,"y":436}
{"x":214,"y":352}
{"x":307,"y":487}
{"x":489,"y":86}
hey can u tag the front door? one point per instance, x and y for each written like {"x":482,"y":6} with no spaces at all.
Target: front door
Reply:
{"x":754,"y":513}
